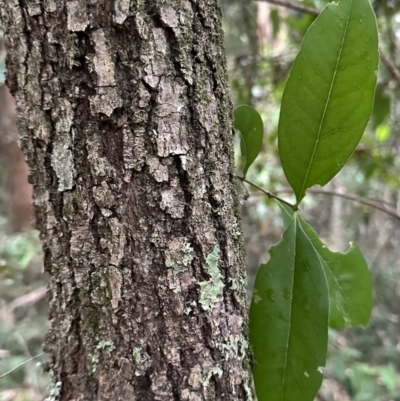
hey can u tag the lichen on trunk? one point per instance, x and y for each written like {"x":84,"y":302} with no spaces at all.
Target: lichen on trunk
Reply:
{"x":125,"y":119}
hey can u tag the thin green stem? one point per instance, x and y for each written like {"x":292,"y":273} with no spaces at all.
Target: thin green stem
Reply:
{"x":293,"y":6}
{"x":373,"y":203}
{"x":267,"y":193}
{"x":21,"y":364}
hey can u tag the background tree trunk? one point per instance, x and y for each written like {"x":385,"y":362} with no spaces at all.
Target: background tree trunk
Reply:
{"x":16,"y":190}
{"x":125,"y":118}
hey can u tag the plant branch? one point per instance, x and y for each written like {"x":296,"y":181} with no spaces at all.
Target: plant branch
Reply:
{"x":28,"y":299}
{"x":320,"y":397}
{"x":390,"y":65}
{"x":21,"y":364}
{"x":266,"y":193}
{"x":386,"y":60}
{"x":359,"y":199}
{"x":293,"y":6}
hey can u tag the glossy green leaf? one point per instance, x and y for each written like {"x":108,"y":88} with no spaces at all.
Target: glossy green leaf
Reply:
{"x":329,"y":95}
{"x":349,"y":279}
{"x":289,"y":320}
{"x":249,"y":123}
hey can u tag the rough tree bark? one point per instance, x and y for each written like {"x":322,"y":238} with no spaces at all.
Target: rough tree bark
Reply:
{"x":125,"y":120}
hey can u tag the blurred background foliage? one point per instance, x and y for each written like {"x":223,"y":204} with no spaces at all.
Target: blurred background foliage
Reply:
{"x":262,"y":40}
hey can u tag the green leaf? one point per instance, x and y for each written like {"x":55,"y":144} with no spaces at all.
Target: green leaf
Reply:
{"x":289,"y":320}
{"x":249,"y":123}
{"x":328,"y":98}
{"x":349,"y":279}
{"x":287,"y":213}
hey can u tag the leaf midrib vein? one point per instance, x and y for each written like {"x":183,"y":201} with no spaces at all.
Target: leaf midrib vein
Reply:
{"x":294,"y":221}
{"x":326,"y":104}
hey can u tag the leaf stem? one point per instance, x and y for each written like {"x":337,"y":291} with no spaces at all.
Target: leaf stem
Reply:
{"x":359,"y":199}
{"x":293,"y":6}
{"x":267,"y":193}
{"x":21,"y":364}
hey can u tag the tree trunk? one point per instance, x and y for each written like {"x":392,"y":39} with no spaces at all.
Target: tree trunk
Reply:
{"x":125,"y":119}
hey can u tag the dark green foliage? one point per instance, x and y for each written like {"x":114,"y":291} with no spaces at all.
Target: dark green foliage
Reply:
{"x":289,"y":320}
{"x":305,"y":287}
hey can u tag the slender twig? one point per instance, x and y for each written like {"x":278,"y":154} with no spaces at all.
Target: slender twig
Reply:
{"x":358,"y":199}
{"x":389,"y":64}
{"x":355,"y":198}
{"x":267,"y":193}
{"x":28,"y":299}
{"x":386,"y":60}
{"x":293,"y":6}
{"x":20,"y":339}
{"x":21,"y":364}
{"x":320,"y":397}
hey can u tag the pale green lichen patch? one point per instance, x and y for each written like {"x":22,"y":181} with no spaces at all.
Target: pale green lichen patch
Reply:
{"x":235,"y":284}
{"x":187,"y":254}
{"x":94,"y":358}
{"x":138,"y":356}
{"x":107,"y":346}
{"x":190,"y":306}
{"x":179,"y":255}
{"x":236,"y":228}
{"x":215,"y":371}
{"x":236,"y":347}
{"x":211,"y":291}
{"x":141,"y":358}
{"x":54,"y":388}
{"x":247,"y":388}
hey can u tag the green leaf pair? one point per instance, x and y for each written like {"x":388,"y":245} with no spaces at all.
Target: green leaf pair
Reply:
{"x":302,"y":288}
